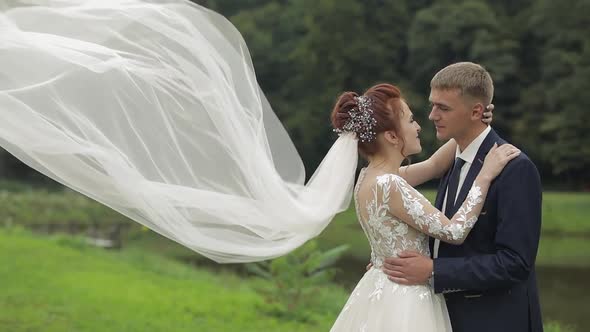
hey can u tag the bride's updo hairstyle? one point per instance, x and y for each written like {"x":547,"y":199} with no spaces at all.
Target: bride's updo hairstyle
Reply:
{"x":384,"y":106}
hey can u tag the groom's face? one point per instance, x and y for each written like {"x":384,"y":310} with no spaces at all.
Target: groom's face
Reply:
{"x":449,"y":112}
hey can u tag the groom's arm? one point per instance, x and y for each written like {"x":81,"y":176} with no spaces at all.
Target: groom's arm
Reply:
{"x":516,"y":241}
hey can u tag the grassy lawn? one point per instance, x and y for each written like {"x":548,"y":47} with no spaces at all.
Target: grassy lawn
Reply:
{"x":565,"y":212}
{"x":59,"y":284}
{"x":564,"y":251}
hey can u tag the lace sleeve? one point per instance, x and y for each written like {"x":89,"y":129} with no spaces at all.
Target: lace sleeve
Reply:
{"x":408,"y":205}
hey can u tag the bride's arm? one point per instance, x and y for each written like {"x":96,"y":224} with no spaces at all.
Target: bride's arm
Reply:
{"x":431,"y":168}
{"x":407,"y":204}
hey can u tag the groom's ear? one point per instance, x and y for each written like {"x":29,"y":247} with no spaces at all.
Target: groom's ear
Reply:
{"x":477,"y":111}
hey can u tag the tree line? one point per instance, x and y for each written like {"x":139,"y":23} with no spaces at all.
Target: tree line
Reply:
{"x":306,"y":52}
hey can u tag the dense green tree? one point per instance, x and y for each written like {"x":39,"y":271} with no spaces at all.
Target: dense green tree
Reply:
{"x":348,"y":46}
{"x":553,"y":108}
{"x":306,"y":52}
{"x":452,"y":31}
{"x":229,"y":8}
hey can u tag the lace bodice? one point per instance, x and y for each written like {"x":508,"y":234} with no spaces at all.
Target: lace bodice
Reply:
{"x":396,"y":217}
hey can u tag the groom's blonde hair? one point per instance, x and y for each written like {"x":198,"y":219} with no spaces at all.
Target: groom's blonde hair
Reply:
{"x":472,"y":79}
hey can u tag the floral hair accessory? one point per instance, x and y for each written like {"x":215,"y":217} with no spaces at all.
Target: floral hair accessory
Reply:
{"x":361,"y":121}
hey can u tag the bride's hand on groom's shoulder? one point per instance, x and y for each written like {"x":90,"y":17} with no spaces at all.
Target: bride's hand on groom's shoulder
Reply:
{"x":497,"y":159}
{"x":488,"y":114}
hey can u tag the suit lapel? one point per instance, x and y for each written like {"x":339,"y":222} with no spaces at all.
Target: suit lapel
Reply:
{"x":485,"y":147}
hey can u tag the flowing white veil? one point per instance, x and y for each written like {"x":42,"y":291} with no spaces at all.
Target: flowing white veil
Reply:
{"x":153,"y":109}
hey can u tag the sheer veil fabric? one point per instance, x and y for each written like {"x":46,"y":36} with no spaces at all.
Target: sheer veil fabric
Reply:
{"x":153,"y":109}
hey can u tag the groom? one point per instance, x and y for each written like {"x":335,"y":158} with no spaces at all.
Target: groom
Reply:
{"x":489,"y":282}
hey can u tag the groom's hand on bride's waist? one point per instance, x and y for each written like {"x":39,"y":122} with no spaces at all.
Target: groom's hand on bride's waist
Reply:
{"x":409,"y":268}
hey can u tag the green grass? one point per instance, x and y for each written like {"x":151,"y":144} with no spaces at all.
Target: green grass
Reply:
{"x":566,"y":251}
{"x":565,"y":212}
{"x":60,"y":284}
{"x":557,"y":327}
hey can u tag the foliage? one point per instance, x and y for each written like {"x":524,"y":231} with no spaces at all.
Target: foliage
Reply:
{"x":557,"y":327}
{"x":41,"y":207}
{"x":306,"y":52}
{"x":536,"y":51}
{"x":51,"y":285}
{"x":561,"y":52}
{"x":294,"y":281}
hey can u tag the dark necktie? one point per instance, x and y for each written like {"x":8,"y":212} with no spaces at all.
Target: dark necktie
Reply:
{"x":452,"y":187}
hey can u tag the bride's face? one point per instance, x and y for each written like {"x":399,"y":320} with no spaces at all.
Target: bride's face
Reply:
{"x":409,"y":131}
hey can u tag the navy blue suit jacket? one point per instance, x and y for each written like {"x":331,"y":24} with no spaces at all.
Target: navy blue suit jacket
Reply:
{"x":489,"y":281}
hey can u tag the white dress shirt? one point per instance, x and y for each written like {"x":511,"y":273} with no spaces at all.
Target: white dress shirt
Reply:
{"x":468,"y":155}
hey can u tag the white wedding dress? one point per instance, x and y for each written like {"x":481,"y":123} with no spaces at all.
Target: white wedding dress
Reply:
{"x":377,"y":303}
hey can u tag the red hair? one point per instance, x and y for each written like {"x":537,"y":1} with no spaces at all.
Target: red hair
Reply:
{"x":387,"y":108}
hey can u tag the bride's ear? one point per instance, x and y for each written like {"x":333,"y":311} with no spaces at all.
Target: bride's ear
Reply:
{"x":391,"y":137}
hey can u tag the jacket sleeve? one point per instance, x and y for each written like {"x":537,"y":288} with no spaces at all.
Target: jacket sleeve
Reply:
{"x":516,"y":241}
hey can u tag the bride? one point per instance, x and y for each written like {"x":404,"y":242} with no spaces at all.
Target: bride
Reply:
{"x":394,"y":216}
{"x":153,"y":109}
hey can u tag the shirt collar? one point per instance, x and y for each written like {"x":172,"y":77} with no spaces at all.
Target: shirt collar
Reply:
{"x":471,"y":150}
